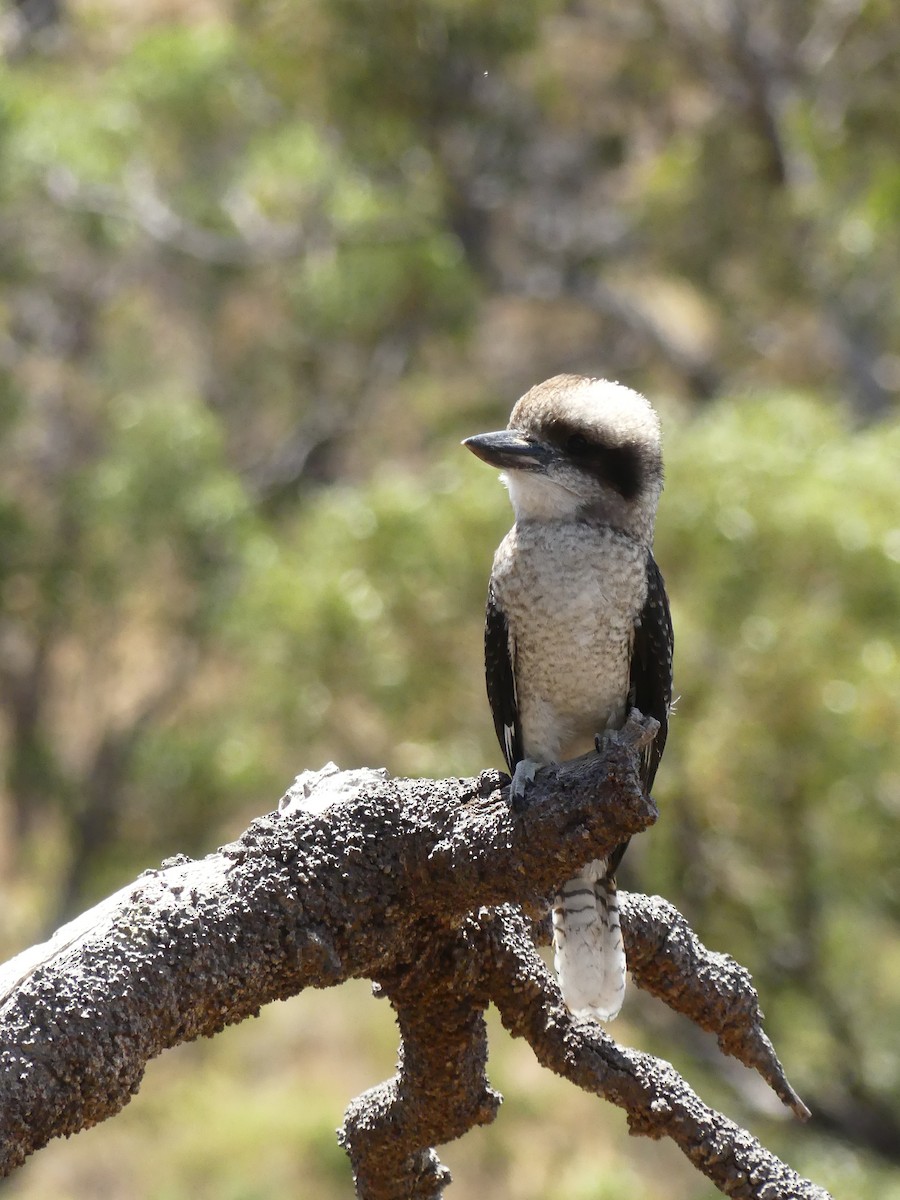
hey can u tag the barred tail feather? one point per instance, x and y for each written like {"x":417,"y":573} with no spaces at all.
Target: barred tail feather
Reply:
{"x":589,"y":955}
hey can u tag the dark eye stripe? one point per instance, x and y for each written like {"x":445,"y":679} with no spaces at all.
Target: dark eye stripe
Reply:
{"x":620,"y":467}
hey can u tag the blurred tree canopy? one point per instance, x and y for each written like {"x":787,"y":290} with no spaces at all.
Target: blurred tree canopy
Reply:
{"x":264,"y":263}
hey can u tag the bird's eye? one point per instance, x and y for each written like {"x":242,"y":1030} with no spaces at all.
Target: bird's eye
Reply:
{"x":578,"y":444}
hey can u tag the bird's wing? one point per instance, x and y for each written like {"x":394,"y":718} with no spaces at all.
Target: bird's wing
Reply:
{"x":501,"y":682}
{"x":651,"y":667}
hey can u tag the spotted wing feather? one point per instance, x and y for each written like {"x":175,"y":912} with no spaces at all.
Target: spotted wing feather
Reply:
{"x":650,"y":690}
{"x":651,"y":667}
{"x":500,"y":676}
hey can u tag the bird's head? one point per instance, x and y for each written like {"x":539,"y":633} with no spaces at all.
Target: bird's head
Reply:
{"x":579,"y":448}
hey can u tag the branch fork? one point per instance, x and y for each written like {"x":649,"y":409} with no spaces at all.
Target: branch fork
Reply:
{"x":421,"y":886}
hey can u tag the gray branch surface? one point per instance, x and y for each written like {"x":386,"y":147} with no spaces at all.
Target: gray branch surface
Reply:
{"x":422,"y":886}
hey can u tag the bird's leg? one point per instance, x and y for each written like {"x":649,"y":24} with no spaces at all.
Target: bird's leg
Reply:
{"x":523,"y":774}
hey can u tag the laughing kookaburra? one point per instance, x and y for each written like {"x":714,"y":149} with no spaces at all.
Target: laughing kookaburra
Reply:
{"x":578,"y":629}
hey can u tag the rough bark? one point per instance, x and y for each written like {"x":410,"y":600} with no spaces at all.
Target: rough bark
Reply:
{"x":422,"y":886}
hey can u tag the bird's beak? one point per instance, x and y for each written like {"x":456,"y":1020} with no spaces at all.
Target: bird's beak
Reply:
{"x":510,"y":450}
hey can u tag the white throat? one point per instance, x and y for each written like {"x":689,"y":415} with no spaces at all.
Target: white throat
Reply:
{"x":536,"y":498}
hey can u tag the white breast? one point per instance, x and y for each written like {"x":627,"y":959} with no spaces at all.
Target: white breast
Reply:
{"x":572,"y":593}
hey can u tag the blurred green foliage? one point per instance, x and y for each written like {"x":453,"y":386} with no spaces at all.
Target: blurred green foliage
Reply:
{"x":263,"y":265}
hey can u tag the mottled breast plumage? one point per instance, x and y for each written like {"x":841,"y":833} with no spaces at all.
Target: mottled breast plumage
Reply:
{"x":572,"y":594}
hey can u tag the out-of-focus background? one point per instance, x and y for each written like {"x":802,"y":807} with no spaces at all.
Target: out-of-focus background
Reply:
{"x":263,"y":265}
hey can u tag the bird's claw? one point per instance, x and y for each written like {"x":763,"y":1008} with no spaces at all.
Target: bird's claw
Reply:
{"x":637,"y":732}
{"x":602,"y":741}
{"x":523,"y":775}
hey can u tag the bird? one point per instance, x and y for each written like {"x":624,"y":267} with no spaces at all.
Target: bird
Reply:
{"x":578,"y":629}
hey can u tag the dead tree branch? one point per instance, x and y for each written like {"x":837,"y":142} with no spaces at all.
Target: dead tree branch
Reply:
{"x":421,"y":886}
{"x":657,"y":1100}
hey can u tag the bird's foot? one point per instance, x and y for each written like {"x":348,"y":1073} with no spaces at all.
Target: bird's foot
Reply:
{"x":523,"y":775}
{"x":609,"y":737}
{"x":637,"y":732}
